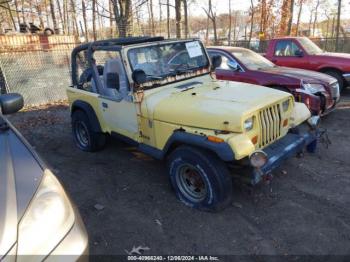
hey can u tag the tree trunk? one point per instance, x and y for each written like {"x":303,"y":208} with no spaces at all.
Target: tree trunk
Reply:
{"x":251,"y":21}
{"x":38,"y":9}
{"x":61,"y":16}
{"x":53,"y":16}
{"x":298,"y":20}
{"x":338,"y":26}
{"x":74,"y":15}
{"x":160,"y":17}
{"x":17,"y":13}
{"x":151,"y":17}
{"x":122,"y":13}
{"x":110,"y":18}
{"x":178,"y":18}
{"x":22,"y":11}
{"x":230,"y":22}
{"x":84,"y":19}
{"x":94,"y":20}
{"x":290,"y":22}
{"x":168,"y":18}
{"x":315,"y":18}
{"x":11,"y":16}
{"x":186,"y":17}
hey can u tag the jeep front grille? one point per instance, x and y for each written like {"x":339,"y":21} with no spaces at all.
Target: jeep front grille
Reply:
{"x":270,"y":124}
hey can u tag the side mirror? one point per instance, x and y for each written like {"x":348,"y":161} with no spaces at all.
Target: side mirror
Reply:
{"x":233,"y":65}
{"x":216,"y":61}
{"x":299,"y":53}
{"x":112,"y":80}
{"x":139,"y":76}
{"x":11,"y":103}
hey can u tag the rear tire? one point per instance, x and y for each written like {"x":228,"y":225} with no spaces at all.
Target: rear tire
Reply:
{"x":84,"y":136}
{"x":339,"y":78}
{"x":200,"y":179}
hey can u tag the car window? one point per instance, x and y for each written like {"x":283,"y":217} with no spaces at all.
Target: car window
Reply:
{"x":286,"y":48}
{"x":224,"y":62}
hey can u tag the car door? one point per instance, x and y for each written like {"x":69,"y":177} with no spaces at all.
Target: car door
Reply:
{"x":290,"y":54}
{"x":116,"y":104}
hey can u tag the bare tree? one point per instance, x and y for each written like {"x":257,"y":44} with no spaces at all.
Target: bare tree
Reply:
{"x":315,"y":17}
{"x":83,"y":6}
{"x":178,"y":18}
{"x":212,"y":17}
{"x":168,"y":18}
{"x":151,"y":17}
{"x":60,"y":14}
{"x":185,"y":17}
{"x":122,"y":13}
{"x":94,"y":35}
{"x":252,"y":11}
{"x":338,"y":26}
{"x":53,"y":16}
{"x":230,"y":22}
{"x":290,"y":22}
{"x":301,"y":3}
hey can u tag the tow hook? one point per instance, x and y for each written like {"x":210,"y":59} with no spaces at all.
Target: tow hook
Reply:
{"x":267,"y":178}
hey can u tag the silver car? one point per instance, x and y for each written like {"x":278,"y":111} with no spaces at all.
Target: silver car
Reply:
{"x":37,"y":219}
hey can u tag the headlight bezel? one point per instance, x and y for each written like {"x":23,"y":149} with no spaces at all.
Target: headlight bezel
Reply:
{"x":313,"y":88}
{"x":248,"y":124}
{"x":286,"y":105}
{"x":49,"y":198}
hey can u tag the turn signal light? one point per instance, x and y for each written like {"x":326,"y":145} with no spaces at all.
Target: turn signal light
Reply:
{"x":215,"y":139}
{"x":255,"y":140}
{"x":285,"y":122}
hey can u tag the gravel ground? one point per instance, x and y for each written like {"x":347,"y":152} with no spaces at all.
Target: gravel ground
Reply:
{"x":126,"y":201}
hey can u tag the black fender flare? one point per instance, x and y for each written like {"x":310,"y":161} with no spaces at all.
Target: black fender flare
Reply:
{"x":89,"y":111}
{"x":222,"y":150}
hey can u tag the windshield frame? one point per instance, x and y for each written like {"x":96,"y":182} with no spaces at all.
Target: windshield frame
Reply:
{"x":169,"y":79}
{"x":242,"y":64}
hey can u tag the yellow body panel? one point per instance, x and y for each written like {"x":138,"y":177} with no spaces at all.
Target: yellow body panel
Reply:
{"x":203,"y":106}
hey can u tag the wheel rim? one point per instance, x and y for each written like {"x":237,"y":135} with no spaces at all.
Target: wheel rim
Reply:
{"x":191,"y":183}
{"x":82,"y":134}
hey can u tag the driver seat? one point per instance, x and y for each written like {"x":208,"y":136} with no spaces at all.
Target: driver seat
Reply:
{"x":109,"y":89}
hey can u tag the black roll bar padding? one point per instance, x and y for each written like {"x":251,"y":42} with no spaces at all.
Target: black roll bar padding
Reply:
{"x":98,"y":45}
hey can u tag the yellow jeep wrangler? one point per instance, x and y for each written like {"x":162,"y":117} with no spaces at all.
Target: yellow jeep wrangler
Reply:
{"x":161,"y":96}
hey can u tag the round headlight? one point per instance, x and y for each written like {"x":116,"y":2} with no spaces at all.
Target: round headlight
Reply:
{"x":248,"y":124}
{"x":258,"y":159}
{"x":285,"y":105}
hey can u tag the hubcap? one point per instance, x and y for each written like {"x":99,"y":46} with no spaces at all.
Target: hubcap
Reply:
{"x":191,"y":183}
{"x":81,"y":133}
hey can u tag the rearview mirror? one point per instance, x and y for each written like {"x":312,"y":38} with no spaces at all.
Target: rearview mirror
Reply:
{"x":233,"y":65}
{"x":299,"y":53}
{"x":216,"y":61}
{"x":139,"y":76}
{"x":11,"y":103}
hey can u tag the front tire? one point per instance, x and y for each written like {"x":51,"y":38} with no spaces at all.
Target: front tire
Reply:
{"x":84,"y":136}
{"x":200,"y":179}
{"x":339,"y":78}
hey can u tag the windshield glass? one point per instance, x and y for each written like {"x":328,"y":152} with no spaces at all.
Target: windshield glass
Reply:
{"x":309,"y":46}
{"x":169,"y":60}
{"x":252,"y":60}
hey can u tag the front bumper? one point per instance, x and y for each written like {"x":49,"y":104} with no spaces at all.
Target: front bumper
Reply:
{"x":286,"y":147}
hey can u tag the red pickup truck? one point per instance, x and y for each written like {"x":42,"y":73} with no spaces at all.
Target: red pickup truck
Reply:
{"x":301,"y":52}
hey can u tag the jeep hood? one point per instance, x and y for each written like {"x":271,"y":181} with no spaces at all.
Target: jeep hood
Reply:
{"x":20,"y":175}
{"x":208,"y":104}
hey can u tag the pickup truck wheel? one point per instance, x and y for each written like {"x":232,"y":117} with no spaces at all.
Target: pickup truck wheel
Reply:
{"x":200,"y":179}
{"x":337,"y":76}
{"x":84,"y":137}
